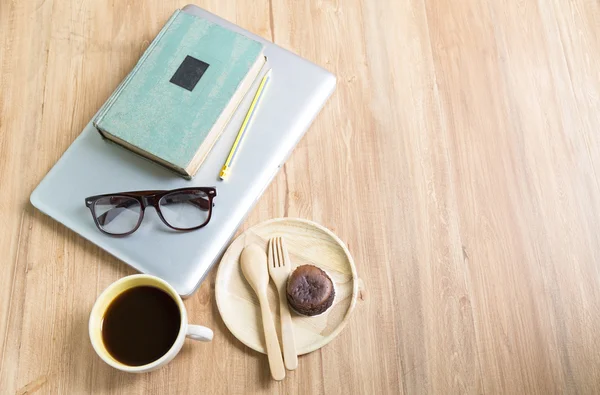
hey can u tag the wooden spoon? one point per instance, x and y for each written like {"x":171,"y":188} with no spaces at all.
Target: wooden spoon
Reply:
{"x":254,"y":266}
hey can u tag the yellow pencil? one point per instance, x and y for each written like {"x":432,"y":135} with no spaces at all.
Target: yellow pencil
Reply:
{"x":225,"y":170}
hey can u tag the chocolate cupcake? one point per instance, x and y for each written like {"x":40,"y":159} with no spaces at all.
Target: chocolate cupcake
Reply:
{"x":310,"y":291}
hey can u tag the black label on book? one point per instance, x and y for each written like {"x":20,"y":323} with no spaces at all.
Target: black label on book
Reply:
{"x":189,"y":73}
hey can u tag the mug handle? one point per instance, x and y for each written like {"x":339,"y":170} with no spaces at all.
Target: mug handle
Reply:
{"x":197,"y":332}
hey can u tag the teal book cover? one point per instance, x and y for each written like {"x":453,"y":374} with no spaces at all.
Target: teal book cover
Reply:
{"x":174,"y":104}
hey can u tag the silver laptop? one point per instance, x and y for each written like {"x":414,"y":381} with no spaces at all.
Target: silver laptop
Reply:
{"x":297,"y":91}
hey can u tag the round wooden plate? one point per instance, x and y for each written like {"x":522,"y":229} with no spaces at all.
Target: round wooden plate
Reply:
{"x":307,"y":243}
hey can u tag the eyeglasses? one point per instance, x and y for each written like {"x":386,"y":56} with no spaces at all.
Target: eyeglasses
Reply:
{"x":120,"y":214}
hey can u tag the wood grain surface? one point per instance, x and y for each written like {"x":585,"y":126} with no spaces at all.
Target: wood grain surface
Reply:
{"x":458,"y":159}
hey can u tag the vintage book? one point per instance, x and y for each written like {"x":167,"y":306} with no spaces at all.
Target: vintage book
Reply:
{"x":177,"y":100}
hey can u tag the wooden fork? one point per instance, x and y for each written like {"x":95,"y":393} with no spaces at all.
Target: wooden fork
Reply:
{"x":280,"y":268}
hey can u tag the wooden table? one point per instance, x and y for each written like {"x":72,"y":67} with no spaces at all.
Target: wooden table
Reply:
{"x":458,"y":158}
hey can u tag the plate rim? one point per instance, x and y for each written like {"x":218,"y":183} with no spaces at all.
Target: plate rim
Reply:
{"x":355,"y":280}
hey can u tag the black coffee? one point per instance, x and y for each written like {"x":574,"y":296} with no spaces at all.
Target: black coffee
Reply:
{"x":140,"y":325}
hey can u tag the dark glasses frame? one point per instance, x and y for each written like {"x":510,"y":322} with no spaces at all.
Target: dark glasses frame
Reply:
{"x":152,"y":199}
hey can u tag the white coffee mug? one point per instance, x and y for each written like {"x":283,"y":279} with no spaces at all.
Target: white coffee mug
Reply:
{"x":195,"y":332}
